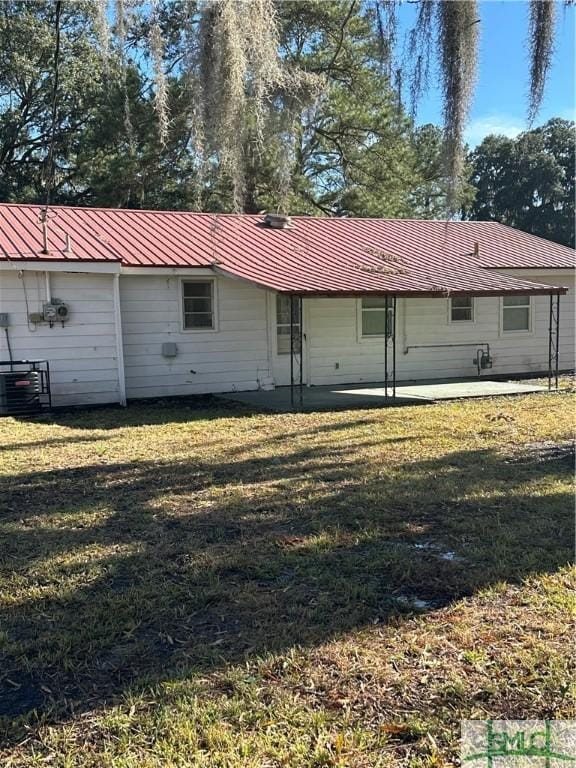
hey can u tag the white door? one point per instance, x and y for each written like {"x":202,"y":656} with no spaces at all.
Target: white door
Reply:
{"x":279,"y":325}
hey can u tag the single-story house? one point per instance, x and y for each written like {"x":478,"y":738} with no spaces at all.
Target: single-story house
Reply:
{"x":135,"y":304}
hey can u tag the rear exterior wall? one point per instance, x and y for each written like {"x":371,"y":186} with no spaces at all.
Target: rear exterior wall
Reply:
{"x":82,"y":353}
{"x":234,"y":357}
{"x":337,"y":354}
{"x":237,"y":355}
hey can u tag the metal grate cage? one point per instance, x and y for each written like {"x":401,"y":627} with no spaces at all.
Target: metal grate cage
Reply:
{"x":24,"y":386}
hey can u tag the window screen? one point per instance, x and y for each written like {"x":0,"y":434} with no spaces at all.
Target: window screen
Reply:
{"x":198,"y":304}
{"x":516,"y":313}
{"x":374,"y":319}
{"x":462,"y":309}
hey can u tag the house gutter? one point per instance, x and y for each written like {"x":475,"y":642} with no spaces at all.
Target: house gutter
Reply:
{"x":119,"y":342}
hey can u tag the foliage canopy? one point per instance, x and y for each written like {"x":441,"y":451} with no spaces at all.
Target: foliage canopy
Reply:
{"x":306,"y":106}
{"x":528,"y":182}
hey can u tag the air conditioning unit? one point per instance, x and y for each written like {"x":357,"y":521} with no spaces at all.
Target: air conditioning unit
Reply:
{"x":55,"y":311}
{"x":19,"y":392}
{"x":24,"y":386}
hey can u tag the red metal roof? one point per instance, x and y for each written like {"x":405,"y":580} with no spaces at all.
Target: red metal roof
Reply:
{"x":319,"y":256}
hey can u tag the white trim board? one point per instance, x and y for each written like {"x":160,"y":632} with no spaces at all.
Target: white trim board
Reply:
{"x":105,"y":268}
{"x":172,"y":271}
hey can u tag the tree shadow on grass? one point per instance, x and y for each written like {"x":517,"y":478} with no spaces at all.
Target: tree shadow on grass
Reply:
{"x":127,"y":574}
{"x":187,"y":409}
{"x":51,"y":442}
{"x":147,"y":412}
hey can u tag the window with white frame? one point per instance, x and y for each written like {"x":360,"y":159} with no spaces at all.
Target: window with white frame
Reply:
{"x":198,"y":305}
{"x":515,"y":314}
{"x":374,"y":319}
{"x":461,"y":309}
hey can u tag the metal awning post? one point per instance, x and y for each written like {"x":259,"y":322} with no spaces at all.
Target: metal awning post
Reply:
{"x":301,"y":349}
{"x":296,"y":348}
{"x":386,"y":346}
{"x":393,"y":346}
{"x":550,"y":315}
{"x":292,"y":351}
{"x":553,"y":340}
{"x":557,"y":338}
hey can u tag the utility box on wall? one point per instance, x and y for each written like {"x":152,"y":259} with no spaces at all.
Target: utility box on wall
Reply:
{"x":55,"y":311}
{"x":169,"y":349}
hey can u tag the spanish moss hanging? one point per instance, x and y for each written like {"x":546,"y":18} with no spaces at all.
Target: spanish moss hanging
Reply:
{"x":542,"y":18}
{"x":458,"y":44}
{"x":161,"y":90}
{"x":246,"y":99}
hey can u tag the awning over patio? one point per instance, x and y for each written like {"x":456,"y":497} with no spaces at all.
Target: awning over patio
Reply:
{"x":379,"y":274}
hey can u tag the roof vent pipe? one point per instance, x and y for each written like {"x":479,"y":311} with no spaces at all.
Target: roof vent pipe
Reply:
{"x":277,"y":221}
{"x":68,"y":249}
{"x":477,"y":249}
{"x":44,"y":224}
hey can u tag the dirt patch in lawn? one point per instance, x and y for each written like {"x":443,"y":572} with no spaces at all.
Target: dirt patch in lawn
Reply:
{"x":547,"y":451}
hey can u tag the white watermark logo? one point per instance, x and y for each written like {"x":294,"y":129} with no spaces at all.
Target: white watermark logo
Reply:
{"x":518,"y":743}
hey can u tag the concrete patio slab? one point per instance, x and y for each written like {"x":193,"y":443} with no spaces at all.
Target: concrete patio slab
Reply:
{"x":457,"y":389}
{"x":362,"y":396}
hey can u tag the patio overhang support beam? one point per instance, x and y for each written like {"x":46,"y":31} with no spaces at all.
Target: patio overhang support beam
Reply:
{"x":553,"y":340}
{"x":386,"y":340}
{"x":394,"y":346}
{"x":390,"y":303}
{"x":301,"y":350}
{"x":292,"y":351}
{"x":296,"y":353}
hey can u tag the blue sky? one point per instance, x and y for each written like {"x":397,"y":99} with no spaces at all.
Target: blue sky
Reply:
{"x":500,"y":102}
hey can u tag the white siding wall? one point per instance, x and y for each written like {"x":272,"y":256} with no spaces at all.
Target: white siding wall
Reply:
{"x":82,"y":354}
{"x":83,"y":362}
{"x":337,"y":355}
{"x":233,"y":358}
{"x":567,"y":311}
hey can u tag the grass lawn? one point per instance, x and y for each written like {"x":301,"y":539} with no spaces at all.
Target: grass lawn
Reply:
{"x":196,"y":585}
